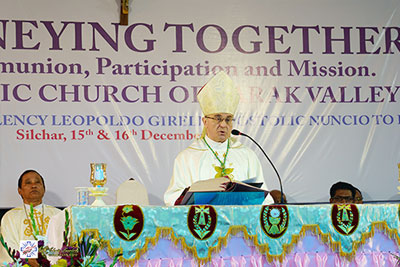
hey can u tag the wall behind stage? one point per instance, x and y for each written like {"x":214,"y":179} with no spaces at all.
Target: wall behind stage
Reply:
{"x":319,"y":83}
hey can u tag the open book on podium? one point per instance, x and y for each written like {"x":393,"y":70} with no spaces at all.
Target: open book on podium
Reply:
{"x":212,"y":192}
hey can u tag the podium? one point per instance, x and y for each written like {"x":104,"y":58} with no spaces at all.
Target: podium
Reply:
{"x":224,"y":198}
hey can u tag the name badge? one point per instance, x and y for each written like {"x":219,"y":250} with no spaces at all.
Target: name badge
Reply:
{"x":28,"y":249}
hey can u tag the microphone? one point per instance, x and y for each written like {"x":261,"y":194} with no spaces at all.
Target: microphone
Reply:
{"x":236,"y":132}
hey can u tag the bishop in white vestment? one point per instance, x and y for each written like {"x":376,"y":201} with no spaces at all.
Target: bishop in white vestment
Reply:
{"x":215,"y":154}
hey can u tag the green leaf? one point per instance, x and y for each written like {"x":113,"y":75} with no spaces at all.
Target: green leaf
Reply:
{"x":66,"y":227}
{"x":115,"y":259}
{"x":131,"y":235}
{"x":4,"y":244}
{"x":35,"y":230}
{"x":125,"y":234}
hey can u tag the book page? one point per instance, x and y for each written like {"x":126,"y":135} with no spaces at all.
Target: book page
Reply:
{"x":210,"y":185}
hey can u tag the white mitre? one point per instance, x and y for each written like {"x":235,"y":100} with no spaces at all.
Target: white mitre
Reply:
{"x":219,"y":95}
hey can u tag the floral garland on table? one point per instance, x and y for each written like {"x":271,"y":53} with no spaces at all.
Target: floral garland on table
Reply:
{"x":397,"y":258}
{"x":84,"y":254}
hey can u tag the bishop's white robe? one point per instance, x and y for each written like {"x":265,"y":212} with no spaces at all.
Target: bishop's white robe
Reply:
{"x":197,"y":162}
{"x":16,"y":225}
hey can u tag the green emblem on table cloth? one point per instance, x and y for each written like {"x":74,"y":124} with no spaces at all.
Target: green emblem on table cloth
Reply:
{"x":274,"y":220}
{"x":128,"y":222}
{"x":202,"y":221}
{"x":345,"y":218}
{"x":398,"y":212}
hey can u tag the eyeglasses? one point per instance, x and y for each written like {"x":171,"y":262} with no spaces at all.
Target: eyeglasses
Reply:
{"x":219,"y":119}
{"x":345,"y":199}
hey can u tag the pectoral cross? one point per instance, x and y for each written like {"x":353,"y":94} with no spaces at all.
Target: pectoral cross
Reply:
{"x":123,"y":19}
{"x":222,"y":171}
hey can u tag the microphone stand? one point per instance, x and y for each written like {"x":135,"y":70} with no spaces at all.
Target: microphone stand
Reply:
{"x":236,"y":132}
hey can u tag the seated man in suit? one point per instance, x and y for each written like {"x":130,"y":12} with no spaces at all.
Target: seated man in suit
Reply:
{"x":358,"y":198}
{"x":342,"y":192}
{"x":16,"y":224}
{"x":278,"y":197}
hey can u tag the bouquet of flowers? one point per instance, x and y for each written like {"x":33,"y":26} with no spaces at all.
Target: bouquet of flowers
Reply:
{"x":84,"y":254}
{"x":15,"y":255}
